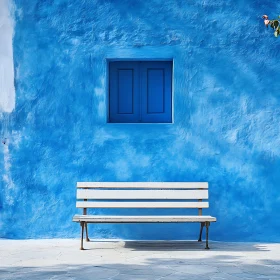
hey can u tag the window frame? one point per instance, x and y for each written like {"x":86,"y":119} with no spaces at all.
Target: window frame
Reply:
{"x":130,"y":60}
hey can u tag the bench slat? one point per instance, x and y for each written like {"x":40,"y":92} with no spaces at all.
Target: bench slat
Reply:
{"x":142,"y":219}
{"x":141,"y":194}
{"x":94,"y":204}
{"x":144,"y":185}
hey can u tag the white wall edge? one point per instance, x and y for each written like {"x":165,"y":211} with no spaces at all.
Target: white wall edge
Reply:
{"x":7,"y":87}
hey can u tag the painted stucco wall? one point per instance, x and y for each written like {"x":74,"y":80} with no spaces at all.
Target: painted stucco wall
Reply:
{"x":226,"y":101}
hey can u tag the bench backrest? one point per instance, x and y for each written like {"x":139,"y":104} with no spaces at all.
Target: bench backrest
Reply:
{"x":142,"y":195}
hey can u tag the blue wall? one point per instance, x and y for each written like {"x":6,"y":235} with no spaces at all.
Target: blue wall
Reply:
{"x":226,"y":127}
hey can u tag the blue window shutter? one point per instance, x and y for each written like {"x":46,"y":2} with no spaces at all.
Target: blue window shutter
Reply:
{"x":156,"y":92}
{"x":124,"y":92}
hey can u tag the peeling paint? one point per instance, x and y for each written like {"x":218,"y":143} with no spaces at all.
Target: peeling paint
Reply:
{"x":7,"y":178}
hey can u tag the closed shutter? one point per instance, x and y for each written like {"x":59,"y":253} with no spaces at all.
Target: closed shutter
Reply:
{"x":156,"y":91}
{"x":140,"y":91}
{"x":124,"y":92}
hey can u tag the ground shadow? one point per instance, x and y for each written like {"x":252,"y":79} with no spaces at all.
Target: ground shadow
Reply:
{"x":181,"y":246}
{"x":204,"y":268}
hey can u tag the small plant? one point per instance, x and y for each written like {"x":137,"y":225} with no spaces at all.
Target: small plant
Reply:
{"x":275,"y":24}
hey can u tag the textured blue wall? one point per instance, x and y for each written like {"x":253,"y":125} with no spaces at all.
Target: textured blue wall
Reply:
{"x":226,"y":114}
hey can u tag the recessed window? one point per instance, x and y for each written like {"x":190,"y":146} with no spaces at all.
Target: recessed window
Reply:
{"x":140,"y":92}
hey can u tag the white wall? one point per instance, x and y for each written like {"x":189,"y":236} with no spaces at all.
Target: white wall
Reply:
{"x":7,"y":89}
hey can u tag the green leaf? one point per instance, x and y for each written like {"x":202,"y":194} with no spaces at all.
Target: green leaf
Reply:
{"x":274,"y":24}
{"x":276,"y":33}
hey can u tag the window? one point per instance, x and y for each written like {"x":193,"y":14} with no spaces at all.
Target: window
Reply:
{"x":140,"y":92}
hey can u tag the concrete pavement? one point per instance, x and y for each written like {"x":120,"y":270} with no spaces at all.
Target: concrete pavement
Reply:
{"x":62,"y":259}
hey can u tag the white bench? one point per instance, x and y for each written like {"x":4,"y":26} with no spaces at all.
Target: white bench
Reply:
{"x":142,"y":195}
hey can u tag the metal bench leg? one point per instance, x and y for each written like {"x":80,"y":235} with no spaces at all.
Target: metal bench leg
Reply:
{"x":87,"y":239}
{"x":201,"y":229}
{"x":82,"y":235}
{"x":207,"y":224}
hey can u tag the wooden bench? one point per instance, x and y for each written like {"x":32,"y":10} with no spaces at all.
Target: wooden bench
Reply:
{"x":156,"y":195}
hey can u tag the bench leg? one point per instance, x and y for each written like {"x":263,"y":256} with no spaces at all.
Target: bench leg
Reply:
{"x":207,"y":224}
{"x":201,"y":229}
{"x":87,"y":239}
{"x":82,"y":235}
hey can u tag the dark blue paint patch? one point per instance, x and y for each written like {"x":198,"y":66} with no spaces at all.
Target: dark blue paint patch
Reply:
{"x":225,"y":102}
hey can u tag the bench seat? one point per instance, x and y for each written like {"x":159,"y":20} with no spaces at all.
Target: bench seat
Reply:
{"x":142,"y":219}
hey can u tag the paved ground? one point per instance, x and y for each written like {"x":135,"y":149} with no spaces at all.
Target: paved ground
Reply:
{"x":62,"y":259}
